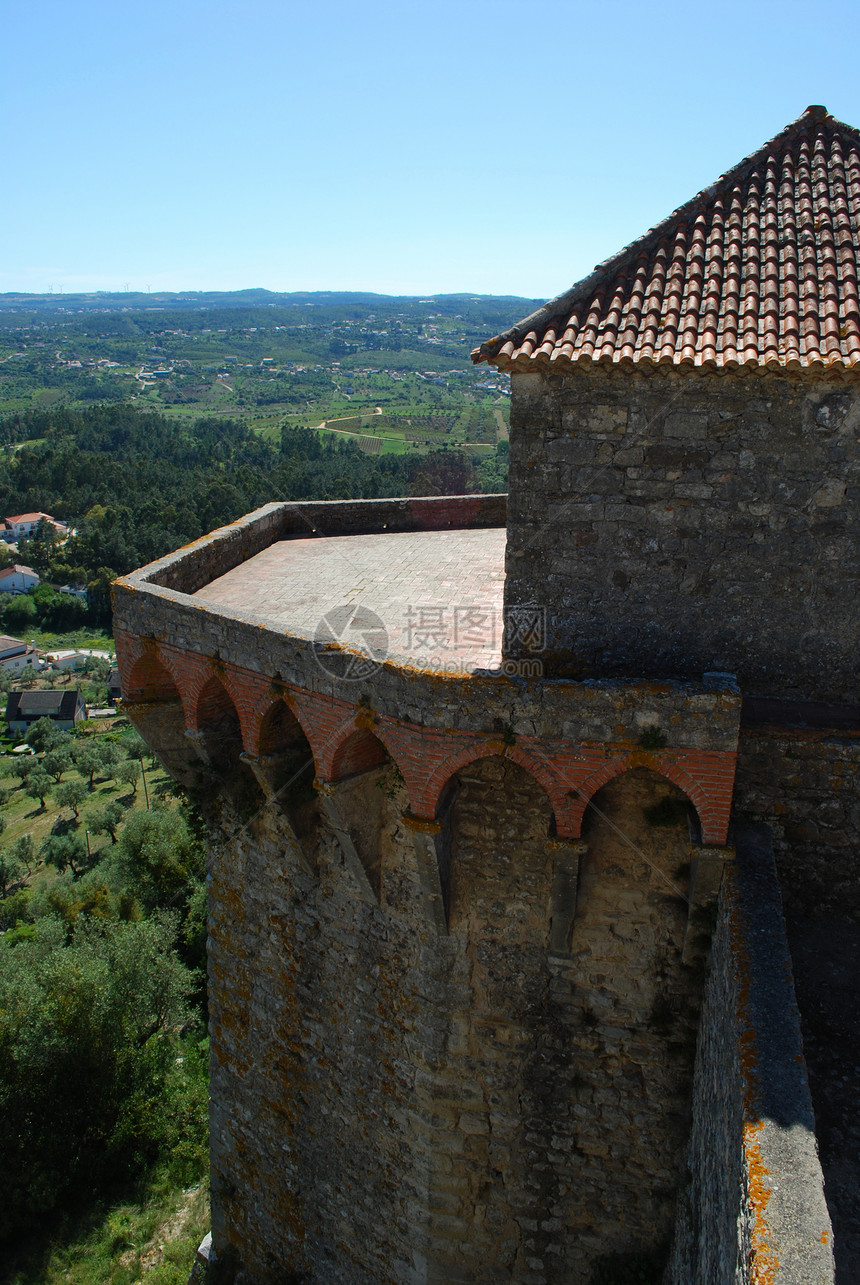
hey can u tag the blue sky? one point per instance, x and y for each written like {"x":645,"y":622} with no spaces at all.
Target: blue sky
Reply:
{"x":414,"y":148}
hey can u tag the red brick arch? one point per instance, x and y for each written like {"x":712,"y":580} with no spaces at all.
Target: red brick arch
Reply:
{"x":618,"y":766}
{"x":149,"y":679}
{"x":358,"y":752}
{"x":212,"y":703}
{"x":144,"y":663}
{"x":569,"y":772}
{"x":332,"y":761}
{"x":537,"y":769}
{"x":271,"y":723}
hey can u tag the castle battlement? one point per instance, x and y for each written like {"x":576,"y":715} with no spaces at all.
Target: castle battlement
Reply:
{"x":257,"y":637}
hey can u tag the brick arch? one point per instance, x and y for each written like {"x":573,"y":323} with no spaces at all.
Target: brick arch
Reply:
{"x":330,"y":756}
{"x":190,"y":673}
{"x":149,"y":678}
{"x":276,"y":727}
{"x":539,"y":771}
{"x":587,"y":789}
{"x":557,"y":788}
{"x":186,"y":672}
{"x":358,"y":752}
{"x":215,"y":713}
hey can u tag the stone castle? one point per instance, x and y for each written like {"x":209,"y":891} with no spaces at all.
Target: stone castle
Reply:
{"x":506,"y":795}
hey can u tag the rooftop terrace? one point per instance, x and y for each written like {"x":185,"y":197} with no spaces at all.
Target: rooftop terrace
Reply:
{"x":426,"y":599}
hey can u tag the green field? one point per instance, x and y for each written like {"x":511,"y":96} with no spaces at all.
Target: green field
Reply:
{"x":295,"y":360}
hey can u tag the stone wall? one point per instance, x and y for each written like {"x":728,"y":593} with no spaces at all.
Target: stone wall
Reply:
{"x":213,"y":555}
{"x":452,"y":1037}
{"x":392,"y":1104}
{"x":678,"y":523}
{"x":805,"y":783}
{"x":753,"y":1209}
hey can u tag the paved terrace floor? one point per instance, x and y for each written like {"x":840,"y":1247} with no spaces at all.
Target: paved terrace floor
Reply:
{"x":431,"y":599}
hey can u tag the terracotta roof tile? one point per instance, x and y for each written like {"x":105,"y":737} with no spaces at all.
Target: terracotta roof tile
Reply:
{"x":760,"y":269}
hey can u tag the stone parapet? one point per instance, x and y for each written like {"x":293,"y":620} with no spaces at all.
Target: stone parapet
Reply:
{"x":754,"y":1209}
{"x":197,"y":564}
{"x":488,"y":717}
{"x":572,"y":736}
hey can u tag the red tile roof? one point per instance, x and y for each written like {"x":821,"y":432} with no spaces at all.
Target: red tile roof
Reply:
{"x":760,"y":270}
{"x":16,"y":568}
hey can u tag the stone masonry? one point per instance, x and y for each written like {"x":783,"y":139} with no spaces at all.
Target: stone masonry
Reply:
{"x":675,"y":523}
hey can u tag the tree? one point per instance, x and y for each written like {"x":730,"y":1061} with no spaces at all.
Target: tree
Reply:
{"x":98,"y":594}
{"x":57,"y":761}
{"x":89,"y":1023}
{"x":11,"y":870}
{"x":111,"y":756}
{"x":159,"y":856}
{"x":65,"y":612}
{"x":133,"y":744}
{"x":20,"y":614}
{"x":128,"y":772}
{"x":444,"y":472}
{"x":24,"y":850}
{"x":65,"y":852}
{"x":106,"y":819}
{"x":97,"y":666}
{"x":22,"y":765}
{"x":45,"y":735}
{"x":71,"y":794}
{"x":38,"y":785}
{"x":38,"y":551}
{"x":28,"y":676}
{"x":89,"y":759}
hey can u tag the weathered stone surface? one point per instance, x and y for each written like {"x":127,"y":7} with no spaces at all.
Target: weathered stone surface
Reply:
{"x":391,"y":1104}
{"x":806,"y":786}
{"x":732,"y":537}
{"x":452,"y":1030}
{"x":753,"y":1209}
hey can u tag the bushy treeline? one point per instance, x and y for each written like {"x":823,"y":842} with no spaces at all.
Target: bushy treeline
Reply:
{"x":103,"y":1060}
{"x":136,"y":485}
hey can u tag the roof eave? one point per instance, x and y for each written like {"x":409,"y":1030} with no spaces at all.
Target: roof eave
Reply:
{"x":563,"y":303}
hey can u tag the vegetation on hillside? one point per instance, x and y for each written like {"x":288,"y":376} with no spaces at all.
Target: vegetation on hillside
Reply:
{"x":268,"y":359}
{"x":134,"y":485}
{"x":103,"y":1050}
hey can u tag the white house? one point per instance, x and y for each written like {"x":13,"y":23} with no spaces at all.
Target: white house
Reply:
{"x":65,"y":709}
{"x":18,"y":579}
{"x":76,"y":659}
{"x":22,"y":525}
{"x":16,"y":655}
{"x":64,"y":660}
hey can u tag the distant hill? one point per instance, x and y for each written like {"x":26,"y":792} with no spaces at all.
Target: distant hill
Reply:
{"x":468,"y":305}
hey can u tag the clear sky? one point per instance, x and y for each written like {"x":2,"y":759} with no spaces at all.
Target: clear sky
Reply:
{"x":391,"y":145}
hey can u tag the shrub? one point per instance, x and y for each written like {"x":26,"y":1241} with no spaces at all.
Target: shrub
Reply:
{"x":88,"y":1051}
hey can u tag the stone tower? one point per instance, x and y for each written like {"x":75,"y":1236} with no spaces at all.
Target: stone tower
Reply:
{"x":469,"y":770}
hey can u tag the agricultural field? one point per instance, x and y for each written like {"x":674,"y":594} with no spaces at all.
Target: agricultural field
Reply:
{"x":399,"y":365}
